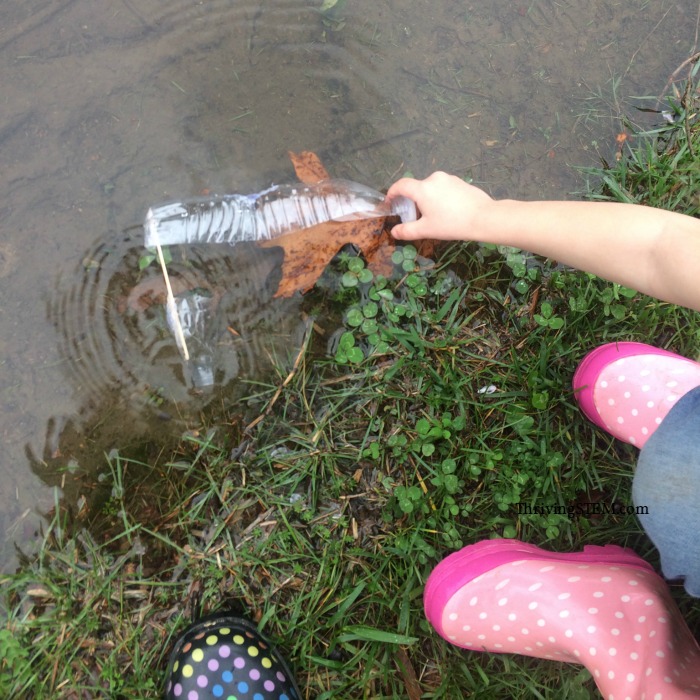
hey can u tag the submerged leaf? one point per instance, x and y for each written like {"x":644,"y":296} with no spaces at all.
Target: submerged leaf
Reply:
{"x":328,"y":5}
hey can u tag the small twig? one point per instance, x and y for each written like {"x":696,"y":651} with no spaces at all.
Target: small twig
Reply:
{"x":691,"y":59}
{"x":643,"y":42}
{"x":422,"y":485}
{"x":261,"y":521}
{"x":466,"y":91}
{"x":388,"y":140}
{"x":413,"y":689}
{"x":172,"y":307}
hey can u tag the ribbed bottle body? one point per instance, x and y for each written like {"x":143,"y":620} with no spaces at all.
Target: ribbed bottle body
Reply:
{"x":271,"y":213}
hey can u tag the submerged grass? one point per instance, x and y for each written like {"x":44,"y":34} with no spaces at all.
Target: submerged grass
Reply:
{"x":443,"y":416}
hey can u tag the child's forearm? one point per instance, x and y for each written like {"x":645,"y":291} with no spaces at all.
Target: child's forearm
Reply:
{"x":654,"y":251}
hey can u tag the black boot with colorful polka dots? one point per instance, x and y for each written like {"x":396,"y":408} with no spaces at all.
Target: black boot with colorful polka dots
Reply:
{"x":222,"y":657}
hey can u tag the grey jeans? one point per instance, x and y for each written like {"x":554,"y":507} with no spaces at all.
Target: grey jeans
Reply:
{"x":667,"y":483}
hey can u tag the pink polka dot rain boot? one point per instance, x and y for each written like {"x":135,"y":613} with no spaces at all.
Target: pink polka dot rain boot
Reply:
{"x":628,"y":388}
{"x":223,"y":656}
{"x":604,"y":608}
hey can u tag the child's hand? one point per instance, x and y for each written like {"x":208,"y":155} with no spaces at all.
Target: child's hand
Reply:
{"x":448,"y":207}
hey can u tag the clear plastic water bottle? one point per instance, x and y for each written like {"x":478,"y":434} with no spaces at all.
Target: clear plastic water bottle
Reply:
{"x":271,"y":213}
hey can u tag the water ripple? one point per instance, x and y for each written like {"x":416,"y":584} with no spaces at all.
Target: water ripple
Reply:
{"x":113,"y":332}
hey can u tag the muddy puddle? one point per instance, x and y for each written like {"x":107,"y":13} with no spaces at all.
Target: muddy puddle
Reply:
{"x":109,"y":107}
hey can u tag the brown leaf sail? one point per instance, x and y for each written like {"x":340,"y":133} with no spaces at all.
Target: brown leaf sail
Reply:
{"x":308,"y":167}
{"x":307,"y":252}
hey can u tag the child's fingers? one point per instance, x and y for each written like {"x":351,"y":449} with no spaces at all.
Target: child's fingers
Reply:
{"x":406,"y":187}
{"x":407,"y":232}
{"x":398,"y":231}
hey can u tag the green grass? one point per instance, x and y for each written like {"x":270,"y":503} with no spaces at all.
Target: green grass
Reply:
{"x":445,"y":402}
{"x":658,"y":166}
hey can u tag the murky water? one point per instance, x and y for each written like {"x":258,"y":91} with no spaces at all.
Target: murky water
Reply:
{"x":110,"y":106}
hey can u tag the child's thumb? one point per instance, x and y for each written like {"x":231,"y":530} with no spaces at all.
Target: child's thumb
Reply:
{"x":406,"y":231}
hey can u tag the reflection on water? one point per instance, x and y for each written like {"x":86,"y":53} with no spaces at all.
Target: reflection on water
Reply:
{"x":113,"y":333}
{"x":110,"y":106}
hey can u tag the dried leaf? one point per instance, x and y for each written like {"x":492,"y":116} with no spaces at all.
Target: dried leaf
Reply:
{"x":308,"y":252}
{"x":308,"y":167}
{"x":413,"y":689}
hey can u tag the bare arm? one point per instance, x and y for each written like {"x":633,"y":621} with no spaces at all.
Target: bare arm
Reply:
{"x":654,"y":251}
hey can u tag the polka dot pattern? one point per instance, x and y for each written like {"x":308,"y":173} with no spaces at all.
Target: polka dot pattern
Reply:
{"x":227,"y":660}
{"x":634,"y":394}
{"x":618,"y":621}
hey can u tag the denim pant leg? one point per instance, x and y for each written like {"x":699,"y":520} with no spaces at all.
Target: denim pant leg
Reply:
{"x":667,"y":482}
